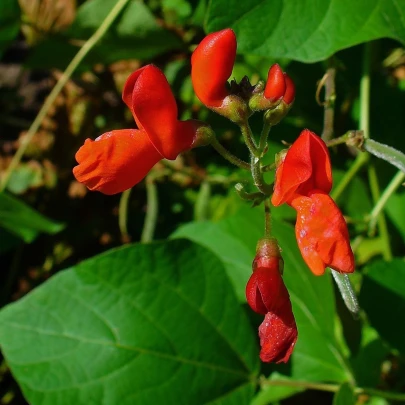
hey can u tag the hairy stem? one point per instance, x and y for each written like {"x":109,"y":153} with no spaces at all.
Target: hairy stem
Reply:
{"x":229,"y":156}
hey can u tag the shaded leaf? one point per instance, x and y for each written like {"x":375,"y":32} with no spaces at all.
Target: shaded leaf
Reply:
{"x":307,"y":30}
{"x":382,"y":296}
{"x":9,"y":22}
{"x":145,"y":324}
{"x":23,"y":221}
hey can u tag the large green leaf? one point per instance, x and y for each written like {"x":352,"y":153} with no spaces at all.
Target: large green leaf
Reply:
{"x":317,"y":355}
{"x":9,"y":22}
{"x":23,"y":221}
{"x":135,"y":35}
{"x":382,"y":296}
{"x":144,"y":324}
{"x":306,"y":30}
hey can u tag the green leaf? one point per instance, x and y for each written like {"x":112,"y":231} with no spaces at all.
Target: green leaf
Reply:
{"x":382,"y":296}
{"x":135,"y":35}
{"x":317,"y":355}
{"x":145,"y":324}
{"x":345,"y":395}
{"x":306,"y":30}
{"x":23,"y":221}
{"x":273,"y":393}
{"x":9,"y":22}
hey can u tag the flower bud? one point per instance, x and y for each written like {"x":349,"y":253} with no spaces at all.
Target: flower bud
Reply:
{"x":276,"y":84}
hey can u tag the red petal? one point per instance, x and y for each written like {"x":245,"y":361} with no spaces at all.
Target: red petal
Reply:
{"x":278,"y":335}
{"x":211,"y":65}
{"x":275,"y":85}
{"x":306,"y":167}
{"x":265,"y":290}
{"x":115,"y":161}
{"x":289,"y":94}
{"x":322,"y":234}
{"x":155,"y":110}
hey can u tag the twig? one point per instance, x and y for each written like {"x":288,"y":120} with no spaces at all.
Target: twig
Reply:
{"x":151,"y":210}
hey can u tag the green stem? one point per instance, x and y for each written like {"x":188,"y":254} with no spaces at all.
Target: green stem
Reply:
{"x":151,"y":211}
{"x":123,"y":216}
{"x":268,"y":168}
{"x":201,"y":207}
{"x":263,"y":136}
{"x":248,"y":137}
{"x":258,"y":179}
{"x":396,"y":181}
{"x":267,"y":218}
{"x":228,"y":155}
{"x":359,"y":162}
{"x":364,"y":123}
{"x":334,"y":388}
{"x":239,"y":187}
{"x":381,"y":222}
{"x":74,"y":63}
{"x":365,"y":127}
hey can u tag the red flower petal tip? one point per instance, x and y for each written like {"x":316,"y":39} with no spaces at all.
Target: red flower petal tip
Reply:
{"x":276,"y":84}
{"x":306,"y":167}
{"x":289,"y":94}
{"x":211,"y":66}
{"x":115,"y":161}
{"x":278,"y":335}
{"x":322,"y":234}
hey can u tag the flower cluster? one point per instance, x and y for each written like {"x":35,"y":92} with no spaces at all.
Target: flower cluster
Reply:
{"x":304,"y":180}
{"x":119,"y":159}
{"x":211,"y":66}
{"x":266,"y":294}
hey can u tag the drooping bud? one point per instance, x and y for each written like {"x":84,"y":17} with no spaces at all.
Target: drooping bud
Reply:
{"x":267,"y":295}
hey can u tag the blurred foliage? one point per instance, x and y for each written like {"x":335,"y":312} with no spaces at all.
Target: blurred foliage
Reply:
{"x":166,"y":322}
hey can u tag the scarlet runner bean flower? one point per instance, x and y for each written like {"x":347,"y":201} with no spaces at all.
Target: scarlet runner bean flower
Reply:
{"x":211,"y":66}
{"x":119,"y":159}
{"x":304,"y":180}
{"x":267,"y":295}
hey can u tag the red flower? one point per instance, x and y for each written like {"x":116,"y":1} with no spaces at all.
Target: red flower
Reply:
{"x":267,"y":295}
{"x":322,"y":234}
{"x":306,"y":167}
{"x":211,"y":66}
{"x":117,"y":160}
{"x":303,"y":180}
{"x":278,"y":335}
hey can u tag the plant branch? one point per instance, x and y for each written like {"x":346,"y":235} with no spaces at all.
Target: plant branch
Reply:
{"x":151,"y":210}
{"x":333,"y":388}
{"x":228,"y":155}
{"x":396,"y":181}
{"x":74,"y":63}
{"x":249,"y":140}
{"x":329,"y":104}
{"x":123,"y":216}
